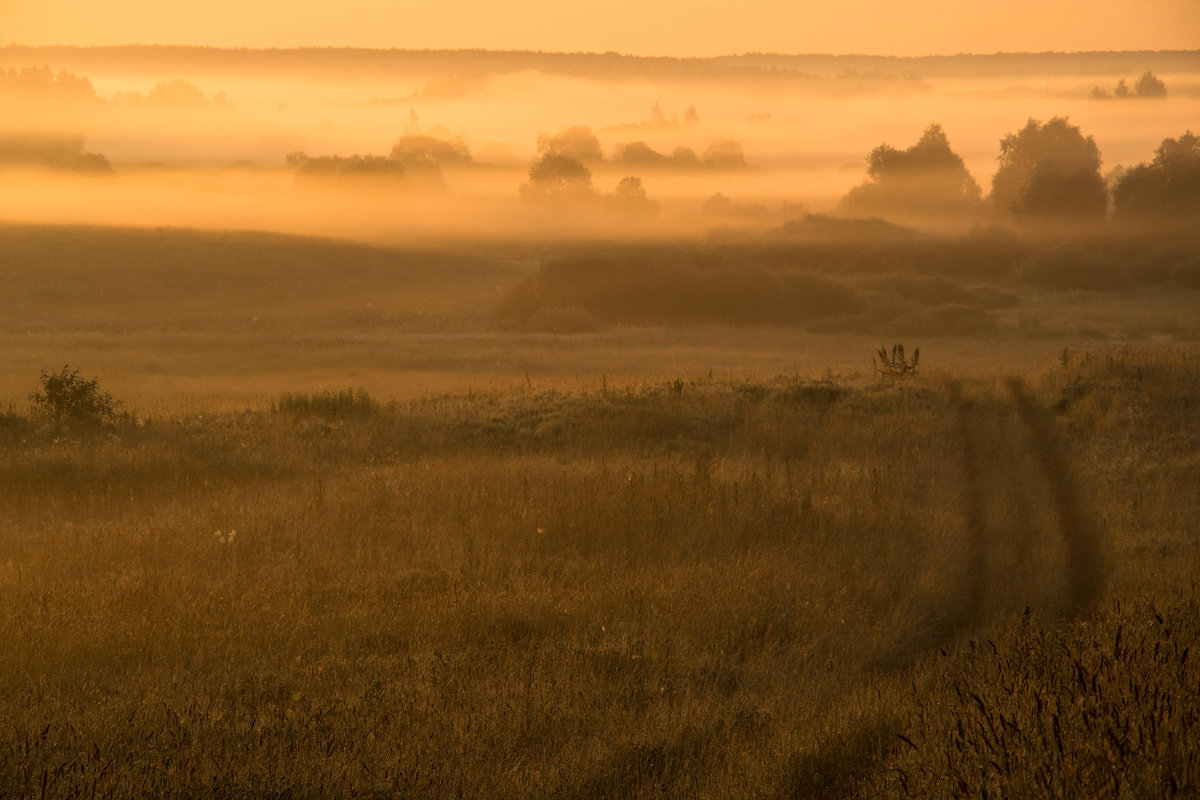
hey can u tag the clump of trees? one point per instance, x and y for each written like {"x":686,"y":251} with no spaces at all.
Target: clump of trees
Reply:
{"x":43,"y":82}
{"x":355,"y":166}
{"x":419,"y":149}
{"x":172,"y":94}
{"x":926,"y":177}
{"x":557,"y":176}
{"x":1164,"y":190}
{"x":575,"y":141}
{"x":1148,"y":86}
{"x":416,"y":159}
{"x":1050,"y":171}
{"x":629,"y":199}
{"x":51,"y":151}
{"x":725,"y":154}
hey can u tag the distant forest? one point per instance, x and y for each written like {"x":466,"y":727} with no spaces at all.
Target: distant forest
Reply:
{"x":358,"y":62}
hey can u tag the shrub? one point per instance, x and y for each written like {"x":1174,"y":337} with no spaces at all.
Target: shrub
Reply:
{"x":896,"y":365}
{"x":68,"y":398}
{"x":641,"y":289}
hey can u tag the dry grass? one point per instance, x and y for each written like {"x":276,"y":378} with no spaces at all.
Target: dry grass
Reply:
{"x":704,"y":588}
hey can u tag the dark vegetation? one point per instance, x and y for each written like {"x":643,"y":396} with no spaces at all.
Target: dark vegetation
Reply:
{"x":50,"y":151}
{"x":355,"y":166}
{"x":829,"y":274}
{"x":770,"y":587}
{"x":685,"y":288}
{"x":43,"y":83}
{"x":926,"y":178}
{"x":557,"y":177}
{"x":1148,"y":86}
{"x":1165,"y":190}
{"x":1050,"y":172}
{"x":1048,"y":183}
{"x":67,"y":398}
{"x":721,"y":155}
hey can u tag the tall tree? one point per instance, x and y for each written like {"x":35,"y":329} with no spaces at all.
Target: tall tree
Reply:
{"x":1050,"y":171}
{"x":1167,"y":189}
{"x":926,"y":177}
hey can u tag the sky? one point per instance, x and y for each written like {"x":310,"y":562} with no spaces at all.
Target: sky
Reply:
{"x":640,"y":27}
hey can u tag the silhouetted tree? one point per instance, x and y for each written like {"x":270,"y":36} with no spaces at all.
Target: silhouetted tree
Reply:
{"x":42,"y":82}
{"x":1150,"y":86}
{"x":640,"y":154}
{"x":725,"y":209}
{"x":657,"y":118}
{"x":421,"y":149}
{"x":725,"y":154}
{"x":176,"y":93}
{"x":51,"y":151}
{"x":925,"y":177}
{"x":1168,"y":188}
{"x":629,"y":198}
{"x":557,"y":176}
{"x":1050,"y":170}
{"x":577,"y":142}
{"x":685,"y":157}
{"x":345,"y":167}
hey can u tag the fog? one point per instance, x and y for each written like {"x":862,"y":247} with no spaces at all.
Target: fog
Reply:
{"x":202,"y":139}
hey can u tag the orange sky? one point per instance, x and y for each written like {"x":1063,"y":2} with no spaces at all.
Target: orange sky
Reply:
{"x":645,"y":27}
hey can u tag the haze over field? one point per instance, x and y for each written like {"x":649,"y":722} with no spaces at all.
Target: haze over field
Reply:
{"x":540,"y":401}
{"x":200,"y":137}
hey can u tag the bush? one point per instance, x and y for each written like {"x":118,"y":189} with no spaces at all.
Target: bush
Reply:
{"x":641,"y":289}
{"x":68,"y":398}
{"x":895,"y":365}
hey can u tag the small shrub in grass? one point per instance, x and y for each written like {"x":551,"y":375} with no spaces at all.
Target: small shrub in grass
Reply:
{"x":66,"y":397}
{"x":896,"y":365}
{"x":328,"y":403}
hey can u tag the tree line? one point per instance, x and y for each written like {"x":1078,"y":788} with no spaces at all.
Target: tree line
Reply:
{"x":1047,"y":171}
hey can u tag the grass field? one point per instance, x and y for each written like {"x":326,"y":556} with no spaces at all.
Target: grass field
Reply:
{"x":769,"y":588}
{"x":695,"y":559}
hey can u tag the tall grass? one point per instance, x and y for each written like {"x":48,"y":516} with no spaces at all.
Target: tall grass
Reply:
{"x":762,"y":588}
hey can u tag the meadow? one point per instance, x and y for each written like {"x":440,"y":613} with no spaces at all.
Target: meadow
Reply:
{"x":916,"y":586}
{"x":361,"y":529}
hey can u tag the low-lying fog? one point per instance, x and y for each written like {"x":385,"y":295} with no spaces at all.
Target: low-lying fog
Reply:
{"x":206,"y":142}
